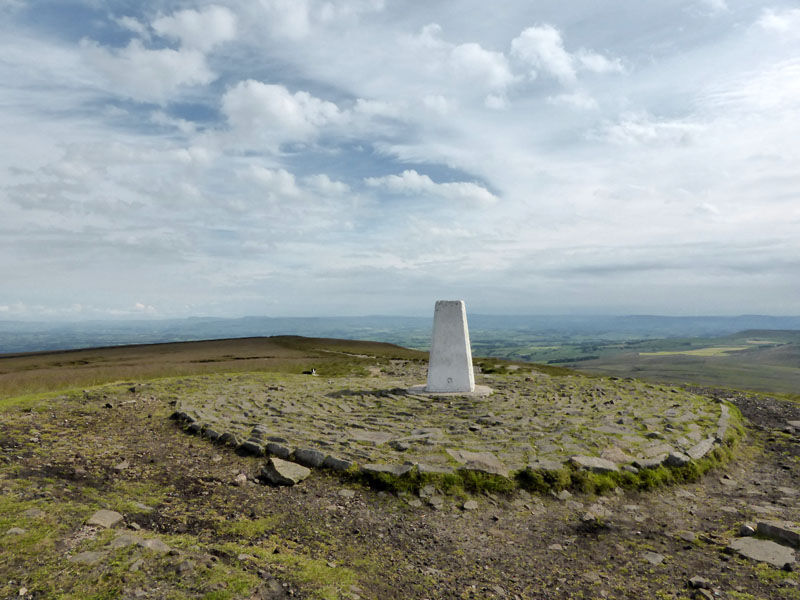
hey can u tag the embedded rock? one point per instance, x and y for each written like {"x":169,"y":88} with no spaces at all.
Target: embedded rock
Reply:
{"x":275,"y":449}
{"x":650,"y":463}
{"x":250,"y":448}
{"x":309,"y":458}
{"x":396,"y":470}
{"x":782,"y":531}
{"x":699,"y":450}
{"x":336,"y":464}
{"x":229,"y":439}
{"x":439,"y":469}
{"x":87,"y":558}
{"x":594,"y":464}
{"x":676,"y":459}
{"x":763,"y":551}
{"x":541,"y":464}
{"x":483,"y":462}
{"x":105,"y":518}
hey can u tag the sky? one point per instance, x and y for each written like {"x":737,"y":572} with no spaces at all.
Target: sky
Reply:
{"x":329,"y":157}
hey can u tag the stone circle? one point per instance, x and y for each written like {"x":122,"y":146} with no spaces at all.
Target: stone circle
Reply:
{"x":532,"y":420}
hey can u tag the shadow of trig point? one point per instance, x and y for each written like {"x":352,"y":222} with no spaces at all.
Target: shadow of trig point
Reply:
{"x":450,"y":364}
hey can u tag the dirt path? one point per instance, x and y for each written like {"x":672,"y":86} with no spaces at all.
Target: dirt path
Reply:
{"x":325,"y":539}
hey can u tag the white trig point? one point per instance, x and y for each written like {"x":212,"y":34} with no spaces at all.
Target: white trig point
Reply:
{"x":450,"y":363}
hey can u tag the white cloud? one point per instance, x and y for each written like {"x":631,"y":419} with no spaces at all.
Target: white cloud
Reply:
{"x":785,"y":22}
{"x":411,"y":182}
{"x":287,"y":18}
{"x":496,"y":102}
{"x":141,"y":307}
{"x":579,"y":99}
{"x":472,"y":62}
{"x":296,"y":19}
{"x":437,"y":103}
{"x":132,"y":24}
{"x":543,"y":48}
{"x":715,"y":6}
{"x":323,"y":184}
{"x":642,"y":129}
{"x":774,"y":87}
{"x":272,"y":113}
{"x":200,"y":30}
{"x":342,"y":9}
{"x":378,"y":108}
{"x":464,"y":68}
{"x":148,"y":75}
{"x":279,"y":183}
{"x":597,"y":63}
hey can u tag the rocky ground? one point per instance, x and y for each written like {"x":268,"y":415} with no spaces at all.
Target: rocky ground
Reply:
{"x":182,"y":517}
{"x":530,"y":418}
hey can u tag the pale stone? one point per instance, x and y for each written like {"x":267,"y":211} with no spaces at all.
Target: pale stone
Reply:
{"x":283,"y":472}
{"x":485,"y":462}
{"x":650,"y":463}
{"x":450,"y":364}
{"x":105,"y":518}
{"x":155,"y":545}
{"x":722,"y":424}
{"x":124,"y":540}
{"x":593,"y":463}
{"x":87,"y":558}
{"x":439,"y":469}
{"x":763,"y":551}
{"x":542,"y":464}
{"x":700,"y":450}
{"x":616,"y":455}
{"x":372,"y":438}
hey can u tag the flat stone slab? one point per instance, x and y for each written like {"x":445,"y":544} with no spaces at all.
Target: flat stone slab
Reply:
{"x":87,"y":558}
{"x":105,"y":518}
{"x":594,"y":463}
{"x":480,"y":391}
{"x":782,"y":531}
{"x":283,"y":472}
{"x":484,"y":462}
{"x":396,"y":470}
{"x":540,"y":420}
{"x":375,"y":438}
{"x":763,"y":551}
{"x":700,"y":449}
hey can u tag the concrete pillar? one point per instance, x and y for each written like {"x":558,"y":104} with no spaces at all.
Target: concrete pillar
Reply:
{"x":450,"y":364}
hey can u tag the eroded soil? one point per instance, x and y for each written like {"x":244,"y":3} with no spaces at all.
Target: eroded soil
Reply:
{"x":71,"y":456}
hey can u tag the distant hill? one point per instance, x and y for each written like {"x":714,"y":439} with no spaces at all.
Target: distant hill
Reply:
{"x":486,"y":330}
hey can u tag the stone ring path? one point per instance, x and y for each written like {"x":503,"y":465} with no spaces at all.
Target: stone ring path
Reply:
{"x":531,"y":421}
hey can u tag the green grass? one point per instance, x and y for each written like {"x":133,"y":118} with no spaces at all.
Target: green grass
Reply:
{"x":713,"y":351}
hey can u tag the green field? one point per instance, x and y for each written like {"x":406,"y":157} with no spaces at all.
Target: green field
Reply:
{"x":765,"y":361}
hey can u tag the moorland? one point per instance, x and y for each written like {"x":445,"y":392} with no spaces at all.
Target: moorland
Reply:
{"x":89,"y":430}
